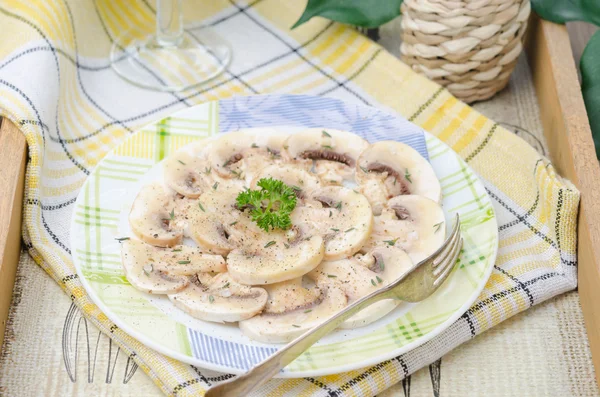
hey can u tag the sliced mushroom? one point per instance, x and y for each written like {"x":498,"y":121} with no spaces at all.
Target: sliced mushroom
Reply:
{"x":292,"y":309}
{"x":342,"y":216}
{"x":334,"y":152}
{"x":190,"y":176}
{"x":388,"y":169}
{"x":414,"y":223}
{"x":267,"y":258}
{"x":211,"y":220}
{"x":142,"y":271}
{"x":220,"y":299}
{"x":297,"y":178}
{"x":183,"y":260}
{"x":241,"y":155}
{"x":363,"y":274}
{"x":153,"y":219}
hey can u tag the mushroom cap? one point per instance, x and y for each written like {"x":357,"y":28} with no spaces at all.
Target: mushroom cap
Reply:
{"x":211,"y":219}
{"x":183,"y":260}
{"x":268,"y":258}
{"x":342,"y":216}
{"x":293,"y":309}
{"x":220,"y":299}
{"x":361,"y":275}
{"x":241,"y":154}
{"x":302,"y":181}
{"x":335,"y":152}
{"x":142,"y":272}
{"x":150,"y":217}
{"x":389,"y":168}
{"x":414,"y":223}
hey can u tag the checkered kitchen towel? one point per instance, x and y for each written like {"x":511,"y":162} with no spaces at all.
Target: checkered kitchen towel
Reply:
{"x":57,"y":86}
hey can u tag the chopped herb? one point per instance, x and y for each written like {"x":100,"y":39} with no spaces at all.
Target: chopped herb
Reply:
{"x":238,"y":175}
{"x":437,"y":226}
{"x":325,"y":134}
{"x":181,"y":162}
{"x":373,"y":282}
{"x":201,"y":207}
{"x":349,"y":230}
{"x":254,"y":145}
{"x":270,"y":243}
{"x":407,"y":175}
{"x":211,"y":298}
{"x":391,"y":242}
{"x":335,"y":230}
{"x":286,"y":245}
{"x":366,"y":171}
{"x":395,"y":180}
{"x":381,"y":264}
{"x":233,"y":223}
{"x":327,"y":146}
{"x":148,"y":269}
{"x":119,"y":239}
{"x":296,"y":188}
{"x":172,"y":214}
{"x":331,"y":276}
{"x":308,"y":311}
{"x":226,"y":285}
{"x":177,"y":250}
{"x":216,"y":185}
{"x":330,"y":213}
{"x":294,"y":325}
{"x":183,"y":262}
{"x":339,"y":206}
{"x":207,"y":170}
{"x":379,"y":280}
{"x":302,"y":181}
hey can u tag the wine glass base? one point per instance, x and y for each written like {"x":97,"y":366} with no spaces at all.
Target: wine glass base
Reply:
{"x":146,"y":63}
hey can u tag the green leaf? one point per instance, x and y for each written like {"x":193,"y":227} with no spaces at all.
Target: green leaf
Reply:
{"x":366,"y":13}
{"x":590,"y":85}
{"x":561,"y":11}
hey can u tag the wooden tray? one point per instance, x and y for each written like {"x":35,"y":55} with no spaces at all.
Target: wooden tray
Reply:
{"x":565,"y":126}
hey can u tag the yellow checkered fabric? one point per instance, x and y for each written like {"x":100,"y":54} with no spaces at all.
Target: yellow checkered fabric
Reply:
{"x":57,"y":85}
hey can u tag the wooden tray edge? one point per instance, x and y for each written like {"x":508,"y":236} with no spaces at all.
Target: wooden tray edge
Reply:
{"x":569,"y":138}
{"x":12,"y":180}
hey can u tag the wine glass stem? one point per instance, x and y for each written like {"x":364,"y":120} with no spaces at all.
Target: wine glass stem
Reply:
{"x":169,"y":23}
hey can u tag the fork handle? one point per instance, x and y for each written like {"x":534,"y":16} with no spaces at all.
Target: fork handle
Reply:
{"x":265,"y":370}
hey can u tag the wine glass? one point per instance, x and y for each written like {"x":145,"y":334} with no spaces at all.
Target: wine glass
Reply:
{"x":171,"y":59}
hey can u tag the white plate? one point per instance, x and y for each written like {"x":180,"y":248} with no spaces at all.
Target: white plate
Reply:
{"x":105,"y":200}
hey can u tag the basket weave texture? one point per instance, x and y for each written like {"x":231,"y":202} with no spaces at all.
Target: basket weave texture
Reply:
{"x":468,"y":46}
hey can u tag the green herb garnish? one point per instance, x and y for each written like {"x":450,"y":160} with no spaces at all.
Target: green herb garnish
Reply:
{"x":308,"y":311}
{"x":201,"y":207}
{"x":437,"y":226}
{"x":172,"y":214}
{"x":270,"y":243}
{"x":338,"y":206}
{"x":327,"y":147}
{"x":379,"y":280}
{"x":407,"y":175}
{"x":211,"y":298}
{"x":271,"y":206}
{"x":183,"y":262}
{"x":335,"y":230}
{"x":181,"y":162}
{"x":215,"y":185}
{"x":331,"y":276}
{"x":148,"y":269}
{"x":373,"y":282}
{"x":325,"y":134}
{"x":349,"y":230}
{"x":119,"y":239}
{"x":391,"y":242}
{"x":366,"y":171}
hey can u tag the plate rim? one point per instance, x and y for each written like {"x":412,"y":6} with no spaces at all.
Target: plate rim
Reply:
{"x":137,"y":335}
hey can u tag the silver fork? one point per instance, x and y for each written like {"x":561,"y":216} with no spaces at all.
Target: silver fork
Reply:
{"x":414,"y":286}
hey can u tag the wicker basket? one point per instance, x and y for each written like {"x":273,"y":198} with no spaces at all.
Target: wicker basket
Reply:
{"x":468,"y":46}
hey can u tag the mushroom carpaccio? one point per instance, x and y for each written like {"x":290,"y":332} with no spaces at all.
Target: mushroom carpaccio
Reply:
{"x":364,"y":214}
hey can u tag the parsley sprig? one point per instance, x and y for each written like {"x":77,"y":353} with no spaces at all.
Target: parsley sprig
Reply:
{"x":271,"y":206}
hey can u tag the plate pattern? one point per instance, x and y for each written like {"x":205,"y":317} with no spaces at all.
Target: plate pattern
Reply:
{"x":104,"y":199}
